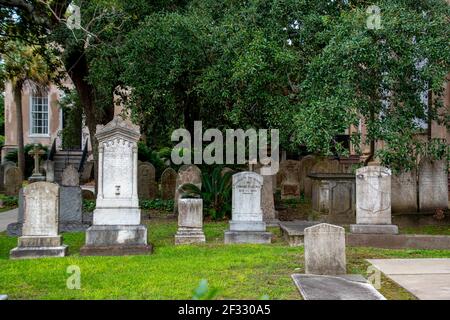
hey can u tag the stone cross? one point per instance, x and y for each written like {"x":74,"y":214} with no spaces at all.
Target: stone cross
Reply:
{"x":36,"y":153}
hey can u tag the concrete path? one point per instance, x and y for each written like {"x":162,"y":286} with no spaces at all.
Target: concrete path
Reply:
{"x":7,"y":217}
{"x":427,"y":279}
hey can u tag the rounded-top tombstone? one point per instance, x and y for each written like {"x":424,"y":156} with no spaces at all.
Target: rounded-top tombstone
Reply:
{"x":146,"y":181}
{"x":70,"y":177}
{"x":168,"y":184}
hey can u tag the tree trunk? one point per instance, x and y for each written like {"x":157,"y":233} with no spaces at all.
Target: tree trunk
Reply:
{"x":17,"y":89}
{"x":78,"y":73}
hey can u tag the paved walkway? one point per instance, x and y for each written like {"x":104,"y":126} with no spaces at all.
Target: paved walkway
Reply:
{"x":7,"y":217}
{"x":427,"y":279}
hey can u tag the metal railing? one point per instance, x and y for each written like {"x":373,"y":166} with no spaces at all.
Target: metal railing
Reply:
{"x":51,"y":154}
{"x":83,"y":156}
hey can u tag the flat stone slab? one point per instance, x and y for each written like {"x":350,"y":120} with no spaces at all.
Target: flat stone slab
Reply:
{"x":374,"y":228}
{"x":294,"y":231}
{"x":256,"y":237}
{"x":342,"y":287}
{"x":427,"y":279}
{"x":398,"y":241}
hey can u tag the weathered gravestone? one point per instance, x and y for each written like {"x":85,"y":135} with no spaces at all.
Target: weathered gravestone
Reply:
{"x":267,"y":199}
{"x":188,"y":173}
{"x":117,"y":228}
{"x":247,"y":225}
{"x":168,"y":184}
{"x":70,"y":177}
{"x":190,"y":222}
{"x":3,"y":167}
{"x":305,"y":167}
{"x":373,"y":201}
{"x":146,"y":181}
{"x":70,"y":201}
{"x":433,"y":185}
{"x":325,"y":250}
{"x":404,"y":192}
{"x":49,"y":168}
{"x":13,"y":181}
{"x":290,"y":184}
{"x":86,"y":174}
{"x":40,"y":236}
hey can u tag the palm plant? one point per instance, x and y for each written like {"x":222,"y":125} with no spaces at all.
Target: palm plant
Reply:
{"x":24,"y":66}
{"x":216,"y":193}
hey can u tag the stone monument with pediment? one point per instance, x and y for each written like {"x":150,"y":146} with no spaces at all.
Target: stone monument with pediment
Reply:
{"x":247,"y":225}
{"x":117,"y":228}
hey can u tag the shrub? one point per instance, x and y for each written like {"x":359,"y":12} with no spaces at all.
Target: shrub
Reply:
{"x":216,"y":193}
{"x":88,"y":205}
{"x":9,"y":201}
{"x":157,"y":204}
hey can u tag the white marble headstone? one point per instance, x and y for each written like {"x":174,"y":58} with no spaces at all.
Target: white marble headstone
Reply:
{"x":246,"y":203}
{"x":117,"y":198}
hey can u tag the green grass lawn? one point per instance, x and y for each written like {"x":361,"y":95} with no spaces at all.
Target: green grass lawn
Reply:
{"x":173,"y":272}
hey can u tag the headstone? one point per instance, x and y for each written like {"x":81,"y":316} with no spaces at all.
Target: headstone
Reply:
{"x":40,"y":236}
{"x":247,"y":225}
{"x":3,"y":167}
{"x":13,"y":181}
{"x":290,"y":184}
{"x":168,"y":184}
{"x":117,"y":228}
{"x":404,"y":192}
{"x":49,"y":168}
{"x":70,"y":177}
{"x":86,"y":174}
{"x":373,"y":201}
{"x":188,"y":173}
{"x":305,"y":167}
{"x":190,"y":222}
{"x":71,"y":206}
{"x":146,"y":181}
{"x":36,"y":153}
{"x":325,"y":250}
{"x":267,"y":199}
{"x":433,"y":185}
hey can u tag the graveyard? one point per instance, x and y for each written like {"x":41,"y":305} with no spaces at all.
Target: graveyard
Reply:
{"x":221,"y":150}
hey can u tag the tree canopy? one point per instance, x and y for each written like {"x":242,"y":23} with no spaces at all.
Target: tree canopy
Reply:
{"x":312,"y":69}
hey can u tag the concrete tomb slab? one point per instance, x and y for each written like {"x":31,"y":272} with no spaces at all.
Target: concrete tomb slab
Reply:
{"x":342,"y":287}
